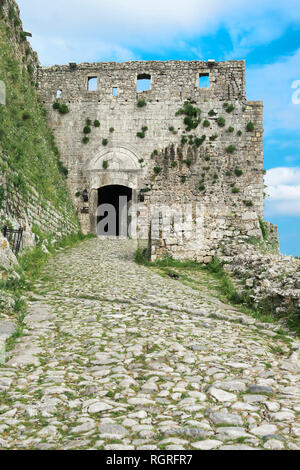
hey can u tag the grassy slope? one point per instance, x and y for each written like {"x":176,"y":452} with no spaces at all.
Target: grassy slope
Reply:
{"x":216,"y":281}
{"x":28,"y":155}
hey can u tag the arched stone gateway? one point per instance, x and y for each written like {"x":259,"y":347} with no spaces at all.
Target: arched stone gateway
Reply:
{"x":114,"y":173}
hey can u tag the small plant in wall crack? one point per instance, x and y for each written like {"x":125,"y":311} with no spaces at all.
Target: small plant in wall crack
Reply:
{"x":221,"y":122}
{"x":212,"y":113}
{"x":238,"y":172}
{"x":157,"y":170}
{"x":61,"y":108}
{"x":188,"y":162}
{"x":184,"y":140}
{"x":235,"y":190}
{"x":248,"y":203}
{"x":192,"y":116}
{"x":199,"y":141}
{"x":142,"y":133}
{"x":104,"y":142}
{"x":250,"y":127}
{"x":228,"y":107}
{"x":105,"y":164}
{"x":230,"y":149}
{"x":171,"y":129}
{"x":141,"y":103}
{"x":87,"y":130}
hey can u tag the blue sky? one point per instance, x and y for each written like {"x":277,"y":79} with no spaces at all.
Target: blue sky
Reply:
{"x":265,"y":33}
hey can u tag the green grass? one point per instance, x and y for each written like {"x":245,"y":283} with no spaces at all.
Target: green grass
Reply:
{"x":263,"y":228}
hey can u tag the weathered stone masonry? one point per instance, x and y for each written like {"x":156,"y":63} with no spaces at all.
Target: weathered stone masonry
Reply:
{"x":230,"y":198}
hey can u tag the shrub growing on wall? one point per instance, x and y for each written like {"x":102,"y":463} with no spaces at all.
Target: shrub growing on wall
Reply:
{"x":87,"y":130}
{"x":250,"y":127}
{"x":221,"y":122}
{"x":238,"y":172}
{"x":230,"y":149}
{"x":228,"y":107}
{"x":141,"y":103}
{"x":192,"y":116}
{"x":188,"y":162}
{"x":62,"y":108}
{"x":248,"y":203}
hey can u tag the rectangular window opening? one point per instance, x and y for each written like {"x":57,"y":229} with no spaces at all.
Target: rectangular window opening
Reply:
{"x":204,"y":80}
{"x":92,"y":83}
{"x":143,"y":82}
{"x":115,"y":91}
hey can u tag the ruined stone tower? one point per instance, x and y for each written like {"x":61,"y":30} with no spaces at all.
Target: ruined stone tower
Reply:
{"x":173,"y":134}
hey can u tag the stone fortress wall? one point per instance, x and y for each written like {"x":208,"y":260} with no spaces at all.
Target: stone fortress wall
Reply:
{"x":220,"y":177}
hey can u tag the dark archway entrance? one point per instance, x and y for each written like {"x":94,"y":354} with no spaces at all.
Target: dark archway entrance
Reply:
{"x":112,"y":215}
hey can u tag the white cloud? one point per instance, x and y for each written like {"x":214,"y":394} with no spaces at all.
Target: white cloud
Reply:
{"x":274,"y":84}
{"x":283,"y":189}
{"x":283,"y":175}
{"x":63,"y":50}
{"x":152,"y":25}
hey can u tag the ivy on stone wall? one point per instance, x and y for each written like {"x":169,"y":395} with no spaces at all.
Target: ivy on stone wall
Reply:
{"x":192,"y":115}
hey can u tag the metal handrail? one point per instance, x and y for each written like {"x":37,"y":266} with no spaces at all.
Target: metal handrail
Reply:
{"x":14,"y":237}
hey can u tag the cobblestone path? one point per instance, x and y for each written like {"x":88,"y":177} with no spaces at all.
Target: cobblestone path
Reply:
{"x":115,"y":356}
